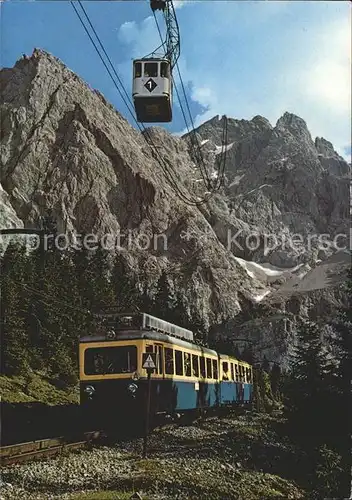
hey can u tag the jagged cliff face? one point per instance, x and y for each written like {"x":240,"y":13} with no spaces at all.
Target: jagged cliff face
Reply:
{"x":64,"y":148}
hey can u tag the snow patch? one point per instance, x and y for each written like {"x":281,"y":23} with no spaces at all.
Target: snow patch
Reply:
{"x":204,"y":142}
{"x":260,"y":297}
{"x":236,"y":180}
{"x":221,"y":149}
{"x":265,"y":272}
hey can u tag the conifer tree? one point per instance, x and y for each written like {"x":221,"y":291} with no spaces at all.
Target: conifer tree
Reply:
{"x":164,"y":301}
{"x":338,"y":392}
{"x":13,"y":306}
{"x":305,"y":404}
{"x":126,"y":294}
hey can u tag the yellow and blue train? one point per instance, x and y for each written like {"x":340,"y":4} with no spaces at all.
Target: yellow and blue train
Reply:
{"x":187,"y":377}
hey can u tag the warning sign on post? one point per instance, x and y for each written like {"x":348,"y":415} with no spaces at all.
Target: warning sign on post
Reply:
{"x":149,"y":361}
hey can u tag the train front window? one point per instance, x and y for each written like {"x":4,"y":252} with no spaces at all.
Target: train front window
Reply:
{"x":110,"y":360}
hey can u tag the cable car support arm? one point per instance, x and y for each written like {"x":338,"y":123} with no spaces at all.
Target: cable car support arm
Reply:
{"x":172,"y":42}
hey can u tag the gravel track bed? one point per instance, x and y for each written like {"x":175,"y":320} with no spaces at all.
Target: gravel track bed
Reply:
{"x":210,"y":459}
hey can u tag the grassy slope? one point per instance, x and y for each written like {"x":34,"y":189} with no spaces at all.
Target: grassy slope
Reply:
{"x":35,"y":388}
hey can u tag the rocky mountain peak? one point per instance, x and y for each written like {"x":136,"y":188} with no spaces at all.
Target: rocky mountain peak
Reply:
{"x":262,"y":122}
{"x":295,"y":125}
{"x":65,"y":148}
{"x":325,"y":148}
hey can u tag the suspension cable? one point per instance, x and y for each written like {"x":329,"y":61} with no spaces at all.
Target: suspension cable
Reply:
{"x":196,"y":149}
{"x":147,"y":137}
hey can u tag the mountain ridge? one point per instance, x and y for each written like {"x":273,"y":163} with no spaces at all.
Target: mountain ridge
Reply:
{"x":65,"y":148}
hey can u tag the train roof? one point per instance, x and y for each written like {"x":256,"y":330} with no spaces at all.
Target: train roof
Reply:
{"x":148,"y":335}
{"x":158,"y":337}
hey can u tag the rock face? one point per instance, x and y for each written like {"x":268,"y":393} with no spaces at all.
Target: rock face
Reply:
{"x":65,"y":148}
{"x":8,"y":219}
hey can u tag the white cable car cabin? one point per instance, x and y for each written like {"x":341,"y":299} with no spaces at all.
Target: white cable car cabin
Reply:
{"x":152,"y":90}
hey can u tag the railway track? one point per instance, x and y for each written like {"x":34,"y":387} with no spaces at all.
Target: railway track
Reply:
{"x":32,"y":450}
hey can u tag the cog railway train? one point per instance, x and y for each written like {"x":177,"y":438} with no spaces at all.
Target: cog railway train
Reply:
{"x":188,"y":378}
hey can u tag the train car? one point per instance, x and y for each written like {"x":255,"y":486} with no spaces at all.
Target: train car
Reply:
{"x":187,"y":377}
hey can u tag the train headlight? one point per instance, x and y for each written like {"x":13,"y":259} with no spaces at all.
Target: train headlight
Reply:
{"x":110,"y":335}
{"x":132,"y":388}
{"x":89,"y":390}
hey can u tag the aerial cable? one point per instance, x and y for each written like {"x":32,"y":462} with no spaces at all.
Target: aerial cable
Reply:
{"x":207,"y":180}
{"x":141,"y":128}
{"x":54,"y":299}
{"x":178,"y":96}
{"x":197,"y":153}
{"x":223,"y":154}
{"x":96,"y":48}
{"x":150,"y":142}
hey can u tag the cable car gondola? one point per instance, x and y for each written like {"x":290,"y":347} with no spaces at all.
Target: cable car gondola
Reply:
{"x":152,"y":76}
{"x":152,"y":90}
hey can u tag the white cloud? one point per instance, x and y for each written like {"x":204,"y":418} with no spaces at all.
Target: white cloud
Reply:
{"x":309,"y":74}
{"x":247,"y":58}
{"x":180,"y":3}
{"x":143,"y":37}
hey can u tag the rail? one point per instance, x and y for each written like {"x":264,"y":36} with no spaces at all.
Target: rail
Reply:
{"x":25,"y":452}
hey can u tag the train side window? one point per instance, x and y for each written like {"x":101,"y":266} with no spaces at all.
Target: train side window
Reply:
{"x":178,"y":362}
{"x":149,"y":348}
{"x":225,"y":370}
{"x":151,"y":69}
{"x":195,"y":365}
{"x":232,"y":373}
{"x":138,"y":70}
{"x":209,"y":369}
{"x":159,"y":359}
{"x":169,"y":361}
{"x":249,"y":375}
{"x":215,"y":368}
{"x":236,"y":372}
{"x":187,"y":363}
{"x":202,"y":367}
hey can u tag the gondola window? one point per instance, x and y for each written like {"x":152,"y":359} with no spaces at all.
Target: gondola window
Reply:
{"x":110,"y":360}
{"x":151,"y":69}
{"x":138,"y":70}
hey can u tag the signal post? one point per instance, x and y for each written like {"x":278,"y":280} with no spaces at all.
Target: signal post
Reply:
{"x":149,"y":364}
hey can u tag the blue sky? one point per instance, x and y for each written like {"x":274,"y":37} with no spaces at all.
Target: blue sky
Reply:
{"x":239,"y":58}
